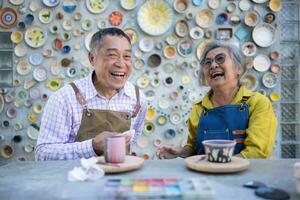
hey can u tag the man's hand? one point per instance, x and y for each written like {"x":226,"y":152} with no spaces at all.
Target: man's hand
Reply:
{"x":99,"y":142}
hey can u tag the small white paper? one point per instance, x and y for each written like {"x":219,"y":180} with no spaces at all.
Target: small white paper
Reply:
{"x":89,"y":171}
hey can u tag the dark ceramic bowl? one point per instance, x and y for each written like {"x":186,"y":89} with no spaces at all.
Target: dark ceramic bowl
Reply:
{"x":219,"y":151}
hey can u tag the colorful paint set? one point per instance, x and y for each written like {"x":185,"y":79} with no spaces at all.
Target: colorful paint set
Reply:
{"x":159,"y":188}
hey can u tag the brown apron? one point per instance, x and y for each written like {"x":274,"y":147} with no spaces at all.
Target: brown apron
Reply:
{"x":95,"y":121}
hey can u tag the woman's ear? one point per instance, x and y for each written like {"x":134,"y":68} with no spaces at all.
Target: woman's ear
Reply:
{"x":91,"y":58}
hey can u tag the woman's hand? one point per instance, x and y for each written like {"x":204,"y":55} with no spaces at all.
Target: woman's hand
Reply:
{"x":168,"y":152}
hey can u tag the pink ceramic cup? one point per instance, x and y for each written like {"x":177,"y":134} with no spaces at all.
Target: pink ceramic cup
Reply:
{"x":115,"y":149}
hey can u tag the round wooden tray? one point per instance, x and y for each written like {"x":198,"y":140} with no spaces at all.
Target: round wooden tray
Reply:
{"x":201,"y":164}
{"x":131,"y":163}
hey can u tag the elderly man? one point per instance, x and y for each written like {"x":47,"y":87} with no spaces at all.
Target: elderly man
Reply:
{"x":76,"y":116}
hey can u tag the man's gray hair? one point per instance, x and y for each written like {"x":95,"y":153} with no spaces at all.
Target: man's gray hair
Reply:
{"x":97,"y":38}
{"x":235,"y":53}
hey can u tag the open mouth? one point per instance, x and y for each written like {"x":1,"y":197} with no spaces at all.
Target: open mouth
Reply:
{"x":118,"y":74}
{"x":216,"y":74}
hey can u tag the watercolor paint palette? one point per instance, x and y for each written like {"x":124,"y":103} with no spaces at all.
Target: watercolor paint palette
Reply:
{"x":159,"y":188}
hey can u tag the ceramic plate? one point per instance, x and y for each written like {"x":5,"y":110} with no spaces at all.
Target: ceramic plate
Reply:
{"x":170,"y":52}
{"x":33,"y":132}
{"x":264,"y":34}
{"x":51,"y":3}
{"x":40,"y":74}
{"x":8,"y":18}
{"x":87,"y":24}
{"x":146,"y":44}
{"x":261,"y":63}
{"x":185,"y":47}
{"x":163,"y":104}
{"x":151,"y":112}
{"x":175,"y":118}
{"x":35,"y":36}
{"x":148,"y":128}
{"x":205,"y":18}
{"x":244,"y":5}
{"x":16,"y":37}
{"x":131,"y":163}
{"x":36,"y":58}
{"x":161,"y":120}
{"x":69,"y":5}
{"x":132,"y":34}
{"x":182,"y":28}
{"x":196,"y":33}
{"x":275,"y":5}
{"x":270,"y":80}
{"x":23,"y":67}
{"x":169,"y":133}
{"x":249,"y":81}
{"x":20,"y":50}
{"x":96,"y":6}
{"x":16,"y":2}
{"x":197,"y":2}
{"x":201,"y":47}
{"x":155,"y":17}
{"x":142,"y":142}
{"x":87,"y":40}
{"x":251,"y":18}
{"x":249,"y":49}
{"x":214,"y":4}
{"x":45,"y":16}
{"x":143,"y":81}
{"x":128,"y":4}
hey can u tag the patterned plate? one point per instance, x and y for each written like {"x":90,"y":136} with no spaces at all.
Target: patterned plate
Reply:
{"x":96,"y":6}
{"x":155,"y":17}
{"x":35,"y":37}
{"x":51,"y":3}
{"x":8,"y":18}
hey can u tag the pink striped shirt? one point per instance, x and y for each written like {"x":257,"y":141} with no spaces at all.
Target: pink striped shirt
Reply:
{"x":62,"y":116}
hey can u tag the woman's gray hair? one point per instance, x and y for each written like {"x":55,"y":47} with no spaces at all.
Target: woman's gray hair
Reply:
{"x":235,"y":53}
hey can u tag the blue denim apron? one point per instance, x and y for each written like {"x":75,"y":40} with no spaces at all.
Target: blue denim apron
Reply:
{"x":225,"y":122}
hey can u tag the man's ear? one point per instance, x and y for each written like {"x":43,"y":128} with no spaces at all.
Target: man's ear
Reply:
{"x":91,"y":58}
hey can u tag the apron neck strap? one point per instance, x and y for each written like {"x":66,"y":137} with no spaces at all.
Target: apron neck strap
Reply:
{"x":138,"y":104}
{"x":79,"y":97}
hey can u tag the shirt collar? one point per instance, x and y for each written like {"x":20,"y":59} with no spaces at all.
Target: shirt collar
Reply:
{"x":92,"y":92}
{"x":237,"y":99}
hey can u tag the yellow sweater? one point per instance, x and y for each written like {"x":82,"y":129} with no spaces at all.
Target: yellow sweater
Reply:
{"x":262,"y":126}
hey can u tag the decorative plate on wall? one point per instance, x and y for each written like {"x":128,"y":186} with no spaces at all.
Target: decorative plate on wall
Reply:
{"x":51,"y":3}
{"x":96,"y":6}
{"x":261,"y":63}
{"x":264,"y":34}
{"x":205,"y":18}
{"x":155,"y":17}
{"x":35,"y":36}
{"x":16,"y":2}
{"x":8,"y":18}
{"x":128,"y":4}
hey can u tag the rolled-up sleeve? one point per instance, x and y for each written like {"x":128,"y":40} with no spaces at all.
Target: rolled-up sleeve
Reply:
{"x":262,"y":128}
{"x":56,"y":139}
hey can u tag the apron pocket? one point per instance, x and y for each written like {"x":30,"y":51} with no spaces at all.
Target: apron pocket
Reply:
{"x":216,"y":134}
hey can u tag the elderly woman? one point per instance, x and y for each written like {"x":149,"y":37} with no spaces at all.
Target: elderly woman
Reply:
{"x":228,"y":110}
